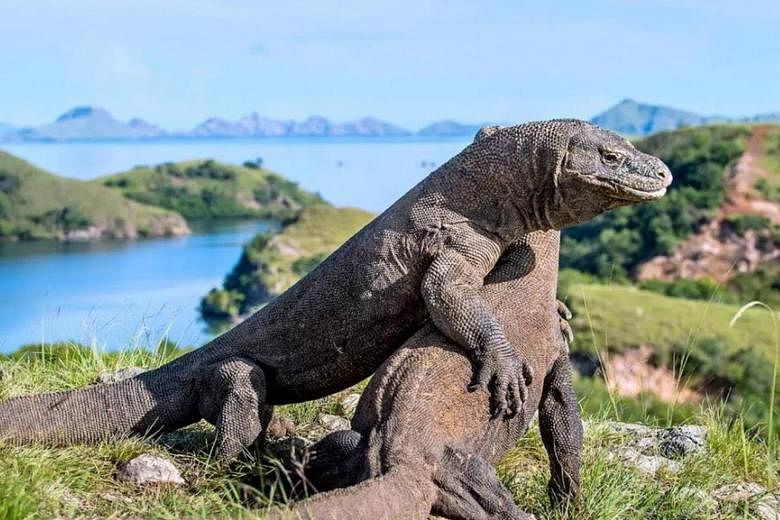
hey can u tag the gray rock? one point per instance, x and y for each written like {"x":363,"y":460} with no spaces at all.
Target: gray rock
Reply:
{"x":333,"y":423}
{"x":114,"y":376}
{"x":706,"y":503}
{"x":671,"y":443}
{"x":349,"y":404}
{"x":648,"y":464}
{"x":764,"y":505}
{"x":149,"y":469}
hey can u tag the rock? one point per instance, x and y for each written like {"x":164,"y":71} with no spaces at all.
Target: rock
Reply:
{"x":648,"y":464}
{"x":349,"y":404}
{"x":333,"y":423}
{"x":764,"y":505}
{"x":680,"y":441}
{"x":706,"y":504}
{"x":149,"y":469}
{"x":114,"y":376}
{"x":671,"y":443}
{"x":281,"y":426}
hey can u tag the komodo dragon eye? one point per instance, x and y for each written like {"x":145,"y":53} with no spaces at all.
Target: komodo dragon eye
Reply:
{"x":611,"y":158}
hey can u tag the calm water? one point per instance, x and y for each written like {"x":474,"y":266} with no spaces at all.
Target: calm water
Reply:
{"x":366,"y":173}
{"x":116,"y":294}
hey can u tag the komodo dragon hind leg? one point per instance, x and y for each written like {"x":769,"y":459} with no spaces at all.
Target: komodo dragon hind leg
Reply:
{"x":561,"y":429}
{"x":231,"y":397}
{"x":468,"y":488}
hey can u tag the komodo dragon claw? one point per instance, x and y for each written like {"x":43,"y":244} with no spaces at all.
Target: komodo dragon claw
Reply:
{"x":565,"y":315}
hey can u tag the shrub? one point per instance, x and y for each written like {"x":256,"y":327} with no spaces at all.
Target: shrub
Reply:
{"x":694,"y":289}
{"x":742,"y":223}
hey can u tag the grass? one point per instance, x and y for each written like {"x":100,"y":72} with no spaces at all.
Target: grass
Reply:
{"x":79,"y":481}
{"x":692,"y":337}
{"x":648,"y":317}
{"x":35,"y":204}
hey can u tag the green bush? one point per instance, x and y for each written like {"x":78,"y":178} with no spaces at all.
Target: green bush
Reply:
{"x":694,"y":289}
{"x":220,"y":303}
{"x":763,"y":285}
{"x":743,"y":223}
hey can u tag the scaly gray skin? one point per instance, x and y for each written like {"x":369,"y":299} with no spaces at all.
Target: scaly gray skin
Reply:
{"x":422,"y":444}
{"x":424,"y":257}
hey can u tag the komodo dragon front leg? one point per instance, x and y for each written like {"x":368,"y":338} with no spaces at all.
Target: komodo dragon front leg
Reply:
{"x":450,"y":288}
{"x":231,"y":394}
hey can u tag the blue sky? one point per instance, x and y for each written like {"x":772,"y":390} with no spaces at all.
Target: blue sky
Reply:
{"x":176,"y":62}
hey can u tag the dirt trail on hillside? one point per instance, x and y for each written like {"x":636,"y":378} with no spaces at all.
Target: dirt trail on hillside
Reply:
{"x":715,"y":250}
{"x":741,"y":196}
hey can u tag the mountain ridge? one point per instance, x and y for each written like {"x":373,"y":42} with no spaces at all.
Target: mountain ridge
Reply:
{"x":92,"y":123}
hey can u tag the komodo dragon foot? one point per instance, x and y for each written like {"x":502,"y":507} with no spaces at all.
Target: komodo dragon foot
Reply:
{"x":231,"y":397}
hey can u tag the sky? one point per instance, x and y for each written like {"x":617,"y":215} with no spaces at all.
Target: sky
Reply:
{"x":177,"y":62}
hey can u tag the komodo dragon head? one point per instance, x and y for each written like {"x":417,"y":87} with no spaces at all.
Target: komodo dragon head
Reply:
{"x":577,"y":169}
{"x":606,"y":166}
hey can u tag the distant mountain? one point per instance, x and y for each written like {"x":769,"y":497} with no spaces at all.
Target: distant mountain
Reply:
{"x":87,"y":123}
{"x":634,"y":118}
{"x":254,"y":125}
{"x":449,"y":127}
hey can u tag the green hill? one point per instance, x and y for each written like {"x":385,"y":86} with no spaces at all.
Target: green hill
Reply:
{"x":694,"y":338}
{"x":35,"y":204}
{"x":271,"y":263}
{"x":207,"y":189}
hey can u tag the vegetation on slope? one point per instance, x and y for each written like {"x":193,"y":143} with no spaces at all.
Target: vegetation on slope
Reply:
{"x":271,"y":263}
{"x":612,"y":245}
{"x":694,"y":338}
{"x":35,"y":204}
{"x":79,"y":481}
{"x":769,"y":186}
{"x":207,"y":190}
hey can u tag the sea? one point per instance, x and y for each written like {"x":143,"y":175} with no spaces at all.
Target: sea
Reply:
{"x":124,"y":294}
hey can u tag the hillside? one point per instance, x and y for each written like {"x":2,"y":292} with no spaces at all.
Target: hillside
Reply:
{"x":742,"y":233}
{"x":271,"y":262}
{"x":693,"y":342}
{"x":719,"y":222}
{"x":35,"y":204}
{"x":207,"y":190}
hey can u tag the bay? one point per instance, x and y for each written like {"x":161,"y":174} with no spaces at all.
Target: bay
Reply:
{"x":114,"y":294}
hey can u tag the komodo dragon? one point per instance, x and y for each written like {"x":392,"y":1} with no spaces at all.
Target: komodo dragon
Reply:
{"x":422,"y":444}
{"x":424,"y":257}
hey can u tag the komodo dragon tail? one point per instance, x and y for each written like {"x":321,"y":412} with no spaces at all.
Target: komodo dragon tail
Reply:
{"x":149,"y":403}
